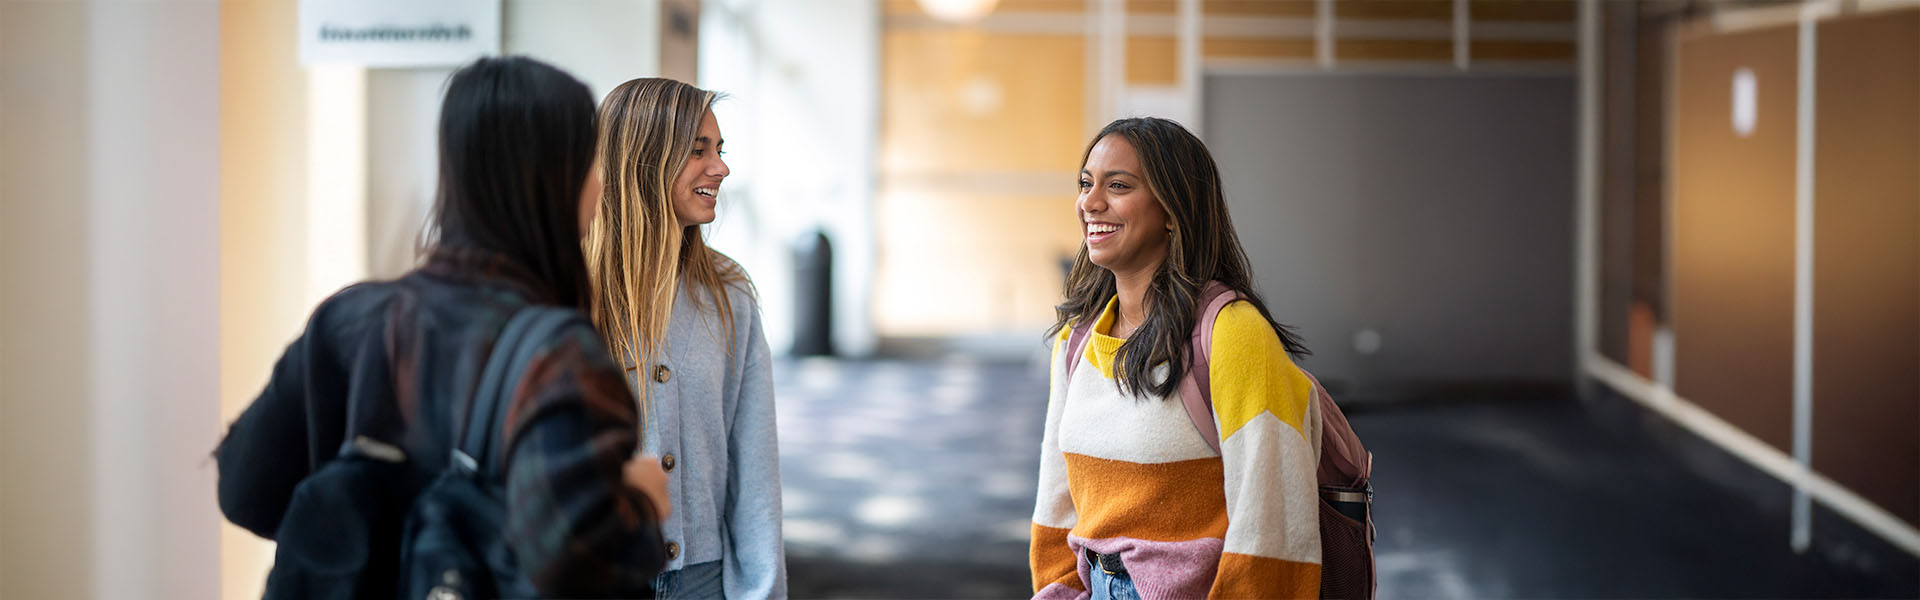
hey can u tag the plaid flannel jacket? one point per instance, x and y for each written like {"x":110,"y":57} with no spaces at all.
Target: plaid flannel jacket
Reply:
{"x":398,"y":360}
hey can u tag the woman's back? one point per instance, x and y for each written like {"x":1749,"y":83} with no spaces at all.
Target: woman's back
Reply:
{"x":401,"y":360}
{"x":397,"y":363}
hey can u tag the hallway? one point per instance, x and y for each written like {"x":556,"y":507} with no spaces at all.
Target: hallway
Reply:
{"x":915,"y":479}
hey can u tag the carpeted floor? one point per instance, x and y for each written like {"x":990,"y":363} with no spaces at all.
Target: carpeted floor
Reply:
{"x":915,"y":479}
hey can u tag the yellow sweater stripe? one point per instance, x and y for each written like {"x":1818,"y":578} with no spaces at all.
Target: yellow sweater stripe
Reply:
{"x":1104,"y":350}
{"x":1252,"y":374}
{"x":1248,"y":363}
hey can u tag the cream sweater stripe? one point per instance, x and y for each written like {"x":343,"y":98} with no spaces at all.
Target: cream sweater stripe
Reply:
{"x":1269,"y":425}
{"x":1054,"y":507}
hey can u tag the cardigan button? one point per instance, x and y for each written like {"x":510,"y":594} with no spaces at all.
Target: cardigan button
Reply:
{"x":667,"y":462}
{"x":673,"y":550}
{"x":661,"y":373}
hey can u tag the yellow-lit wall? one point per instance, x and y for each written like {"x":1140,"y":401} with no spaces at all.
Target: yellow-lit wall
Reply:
{"x":983,"y":124}
{"x":263,"y":154}
{"x":979,"y":142}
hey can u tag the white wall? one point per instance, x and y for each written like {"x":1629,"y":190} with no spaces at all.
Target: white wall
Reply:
{"x":801,"y":124}
{"x":602,"y":42}
{"x":801,"y":127}
{"x":111,"y":299}
{"x":403,"y":118}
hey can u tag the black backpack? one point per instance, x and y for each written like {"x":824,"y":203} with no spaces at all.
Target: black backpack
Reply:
{"x":369,"y":525}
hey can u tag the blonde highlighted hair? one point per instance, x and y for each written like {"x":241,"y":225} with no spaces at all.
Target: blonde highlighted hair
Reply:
{"x":635,"y":249}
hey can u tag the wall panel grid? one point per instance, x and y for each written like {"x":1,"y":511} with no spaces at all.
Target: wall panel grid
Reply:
{"x":1793,"y":293}
{"x":1013,"y":95}
{"x":1414,"y":35}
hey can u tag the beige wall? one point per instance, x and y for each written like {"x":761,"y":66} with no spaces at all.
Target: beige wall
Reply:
{"x":44,"y":391}
{"x":108,"y":393}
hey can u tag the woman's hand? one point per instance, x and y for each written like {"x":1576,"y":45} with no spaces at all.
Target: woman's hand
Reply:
{"x":643,"y":473}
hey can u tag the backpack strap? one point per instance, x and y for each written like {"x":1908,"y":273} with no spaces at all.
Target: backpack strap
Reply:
{"x":1077,"y":345}
{"x":1196,"y":392}
{"x":519,"y":341}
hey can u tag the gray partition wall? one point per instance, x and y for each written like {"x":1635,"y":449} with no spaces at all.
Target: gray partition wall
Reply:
{"x":1427,"y":218}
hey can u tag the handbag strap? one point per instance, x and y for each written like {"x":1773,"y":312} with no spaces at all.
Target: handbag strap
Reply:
{"x":519,"y":341}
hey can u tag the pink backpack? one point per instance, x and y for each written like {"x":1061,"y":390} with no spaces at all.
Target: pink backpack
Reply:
{"x":1346,"y":469}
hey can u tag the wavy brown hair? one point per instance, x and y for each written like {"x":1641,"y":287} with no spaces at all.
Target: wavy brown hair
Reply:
{"x":1202,"y":247}
{"x":636,"y":249}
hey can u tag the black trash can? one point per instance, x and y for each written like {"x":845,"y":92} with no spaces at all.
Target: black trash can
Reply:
{"x":813,"y":295}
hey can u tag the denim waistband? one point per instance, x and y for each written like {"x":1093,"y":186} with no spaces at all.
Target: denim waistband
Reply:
{"x":1108,"y":563}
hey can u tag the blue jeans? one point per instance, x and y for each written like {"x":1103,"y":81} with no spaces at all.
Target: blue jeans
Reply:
{"x":694,"y":582}
{"x":1110,"y":586}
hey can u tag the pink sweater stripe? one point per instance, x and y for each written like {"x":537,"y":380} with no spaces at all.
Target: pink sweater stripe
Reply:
{"x":1182,"y":569}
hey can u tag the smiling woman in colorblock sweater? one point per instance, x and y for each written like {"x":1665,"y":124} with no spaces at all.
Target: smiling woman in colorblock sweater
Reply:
{"x":1133,"y":501}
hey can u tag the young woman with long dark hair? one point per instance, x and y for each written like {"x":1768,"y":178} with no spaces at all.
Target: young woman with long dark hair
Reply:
{"x":396,"y":362}
{"x":1134,"y":502}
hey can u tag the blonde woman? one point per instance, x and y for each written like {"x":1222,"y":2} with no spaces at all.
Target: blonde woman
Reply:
{"x":684,"y":320}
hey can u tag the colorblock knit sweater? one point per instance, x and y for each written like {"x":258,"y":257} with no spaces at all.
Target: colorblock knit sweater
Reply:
{"x":1132,"y":477}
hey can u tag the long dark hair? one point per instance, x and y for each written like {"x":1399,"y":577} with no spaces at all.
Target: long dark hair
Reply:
{"x":517,"y":138}
{"x":1202,"y":247}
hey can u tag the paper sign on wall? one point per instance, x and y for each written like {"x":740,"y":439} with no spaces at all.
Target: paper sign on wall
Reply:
{"x":398,"y":33}
{"x":1746,"y":102}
